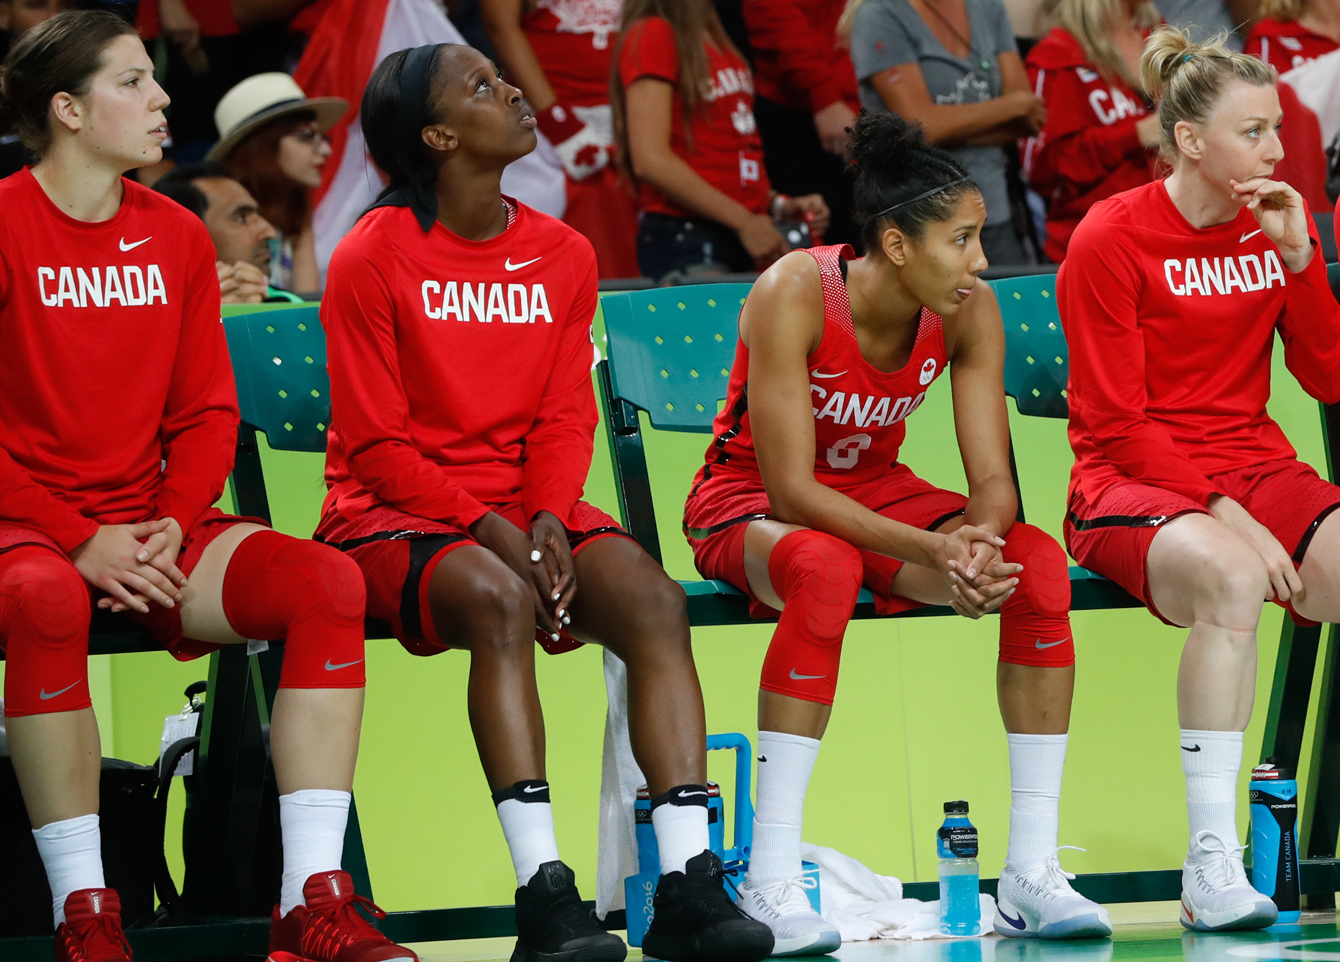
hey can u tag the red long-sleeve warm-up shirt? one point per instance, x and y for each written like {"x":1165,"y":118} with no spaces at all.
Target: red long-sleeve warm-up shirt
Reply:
{"x":460,"y":371}
{"x":1170,"y":330}
{"x":117,"y":402}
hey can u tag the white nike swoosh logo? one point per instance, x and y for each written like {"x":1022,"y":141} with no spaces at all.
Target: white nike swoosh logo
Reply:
{"x":516,"y":267}
{"x":1249,"y":236}
{"x":46,"y":696}
{"x":131,"y":247}
{"x":532,"y":789}
{"x":1050,"y":644}
{"x":795,"y":677}
{"x":817,"y":374}
{"x":330,"y":667}
{"x":690,"y":794}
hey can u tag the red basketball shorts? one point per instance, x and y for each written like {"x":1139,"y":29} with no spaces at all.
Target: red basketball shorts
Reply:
{"x":162,"y":624}
{"x":1112,"y":536}
{"x":715,"y":519}
{"x":398,"y":553}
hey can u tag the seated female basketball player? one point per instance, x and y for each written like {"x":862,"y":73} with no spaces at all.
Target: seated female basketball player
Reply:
{"x":459,"y":327}
{"x":118,"y":420}
{"x":802,"y":501}
{"x":1184,"y":491}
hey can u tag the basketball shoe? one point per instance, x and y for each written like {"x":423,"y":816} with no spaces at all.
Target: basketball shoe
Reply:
{"x":1216,"y":896}
{"x":329,"y":928}
{"x":1040,"y":904}
{"x":552,"y":924}
{"x":92,"y":929}
{"x":694,"y":920}
{"x":784,"y":907}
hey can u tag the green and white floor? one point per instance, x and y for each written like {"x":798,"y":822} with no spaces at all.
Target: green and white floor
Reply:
{"x":1144,"y":933}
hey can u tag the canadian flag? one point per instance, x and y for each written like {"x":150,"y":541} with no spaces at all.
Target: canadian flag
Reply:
{"x":346,"y":44}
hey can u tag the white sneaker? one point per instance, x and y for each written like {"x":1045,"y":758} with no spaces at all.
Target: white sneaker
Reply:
{"x":1039,"y":903}
{"x":785,"y":908}
{"x":1216,"y":896}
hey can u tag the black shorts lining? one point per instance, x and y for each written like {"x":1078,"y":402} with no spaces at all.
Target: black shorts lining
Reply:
{"x":422,"y":550}
{"x":1122,"y":520}
{"x":698,"y":534}
{"x":1306,"y":541}
{"x":353,"y":543}
{"x":581,"y":537}
{"x":945,"y":517}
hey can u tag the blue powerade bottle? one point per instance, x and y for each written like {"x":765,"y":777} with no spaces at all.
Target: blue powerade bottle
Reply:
{"x":960,"y":907}
{"x":1274,"y":809}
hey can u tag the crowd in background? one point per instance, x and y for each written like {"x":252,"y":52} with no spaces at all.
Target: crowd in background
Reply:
{"x":689,"y":138}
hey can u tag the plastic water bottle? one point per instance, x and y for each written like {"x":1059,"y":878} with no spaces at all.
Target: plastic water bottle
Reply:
{"x":1274,"y":809}
{"x":960,"y":907}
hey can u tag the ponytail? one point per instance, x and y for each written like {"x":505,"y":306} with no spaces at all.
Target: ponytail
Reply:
{"x":1187,"y":79}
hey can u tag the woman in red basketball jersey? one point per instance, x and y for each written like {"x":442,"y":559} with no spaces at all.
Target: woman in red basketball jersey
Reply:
{"x":459,"y":331}
{"x":1184,"y":491}
{"x":118,"y":421}
{"x":802,"y":501}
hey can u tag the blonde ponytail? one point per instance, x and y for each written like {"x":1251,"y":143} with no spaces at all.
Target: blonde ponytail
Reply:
{"x":1186,"y":79}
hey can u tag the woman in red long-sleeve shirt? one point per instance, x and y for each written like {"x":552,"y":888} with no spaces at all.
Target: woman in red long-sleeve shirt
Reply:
{"x":1097,"y":138}
{"x":118,"y":421}
{"x":1184,"y":491}
{"x":459,"y":332}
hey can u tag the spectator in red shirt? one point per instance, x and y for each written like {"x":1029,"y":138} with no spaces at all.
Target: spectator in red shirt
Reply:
{"x":106,"y":490}
{"x":207,"y":54}
{"x":684,"y":123}
{"x":560,"y":53}
{"x":1292,"y":32}
{"x":1099,"y":132}
{"x":805,"y":100}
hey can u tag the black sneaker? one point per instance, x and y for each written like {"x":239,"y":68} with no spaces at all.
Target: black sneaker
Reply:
{"x":695,"y":920}
{"x":552,"y":925}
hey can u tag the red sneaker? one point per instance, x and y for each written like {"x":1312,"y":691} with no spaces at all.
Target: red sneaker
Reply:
{"x":92,"y":929}
{"x":329,"y":927}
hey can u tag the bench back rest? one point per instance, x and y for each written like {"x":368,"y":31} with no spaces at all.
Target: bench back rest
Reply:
{"x":1037,"y":364}
{"x":279,"y":362}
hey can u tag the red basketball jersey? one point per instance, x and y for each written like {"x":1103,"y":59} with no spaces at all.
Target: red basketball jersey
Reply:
{"x":858,"y":409}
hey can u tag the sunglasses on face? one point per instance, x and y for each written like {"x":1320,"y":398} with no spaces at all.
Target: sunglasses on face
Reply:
{"x":309,"y":136}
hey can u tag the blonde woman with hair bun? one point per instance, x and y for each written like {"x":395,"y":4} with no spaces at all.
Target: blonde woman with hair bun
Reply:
{"x":1292,"y":32}
{"x":1099,"y":130}
{"x":1184,"y":491}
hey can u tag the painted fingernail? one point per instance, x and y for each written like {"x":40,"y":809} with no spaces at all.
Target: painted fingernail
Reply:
{"x":534,"y":556}
{"x":567,"y":619}
{"x":554,"y":637}
{"x":557,"y":595}
{"x":562,"y":612}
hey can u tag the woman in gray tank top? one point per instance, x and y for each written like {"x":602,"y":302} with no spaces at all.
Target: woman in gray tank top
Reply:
{"x":953,"y":67}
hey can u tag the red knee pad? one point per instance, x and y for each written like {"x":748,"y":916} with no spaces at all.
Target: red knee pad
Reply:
{"x":310,"y":595}
{"x":1035,"y":621}
{"x":818,"y":576}
{"x":44,"y":613}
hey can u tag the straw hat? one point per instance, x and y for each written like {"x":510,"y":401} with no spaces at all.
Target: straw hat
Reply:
{"x":260,"y":99}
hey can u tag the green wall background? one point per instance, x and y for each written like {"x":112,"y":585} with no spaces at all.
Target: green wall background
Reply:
{"x":915,"y":722}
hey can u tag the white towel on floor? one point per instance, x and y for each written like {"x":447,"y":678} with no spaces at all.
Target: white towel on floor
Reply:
{"x":620,"y":778}
{"x":864,"y":905}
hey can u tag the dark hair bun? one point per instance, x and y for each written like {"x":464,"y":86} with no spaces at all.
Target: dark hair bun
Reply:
{"x":892,"y":163}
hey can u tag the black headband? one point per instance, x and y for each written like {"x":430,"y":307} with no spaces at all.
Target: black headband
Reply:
{"x":417,"y":194}
{"x":922,"y":196}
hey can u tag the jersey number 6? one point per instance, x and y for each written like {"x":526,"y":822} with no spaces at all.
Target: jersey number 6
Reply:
{"x":845,"y":452}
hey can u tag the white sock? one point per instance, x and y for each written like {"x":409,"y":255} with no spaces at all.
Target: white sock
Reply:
{"x":71,"y":852}
{"x":785,"y":763}
{"x":681,"y":829}
{"x":1037,"y":763}
{"x":528,"y":826}
{"x":1211,"y":761}
{"x":311,"y":824}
